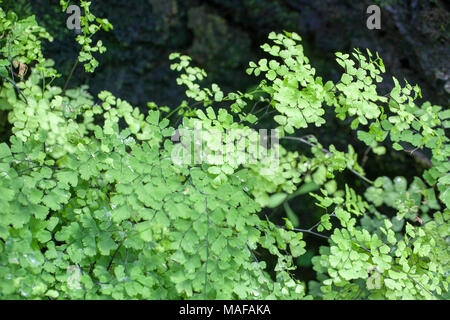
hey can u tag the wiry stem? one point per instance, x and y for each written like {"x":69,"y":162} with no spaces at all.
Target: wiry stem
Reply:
{"x":329,"y":153}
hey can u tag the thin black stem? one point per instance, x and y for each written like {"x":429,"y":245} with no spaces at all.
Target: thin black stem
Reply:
{"x":70,"y":75}
{"x":20,"y":172}
{"x":253,"y":254}
{"x":305,"y":231}
{"x":126,"y":260}
{"x":311,"y":232}
{"x":113,"y":256}
{"x":303,"y":140}
{"x":26,"y":101}
{"x":329,"y":153}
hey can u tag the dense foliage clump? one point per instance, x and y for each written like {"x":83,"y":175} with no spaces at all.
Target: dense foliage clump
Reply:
{"x":93,"y":205}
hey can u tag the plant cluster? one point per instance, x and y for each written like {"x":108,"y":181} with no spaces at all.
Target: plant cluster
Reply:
{"x":93,"y":207}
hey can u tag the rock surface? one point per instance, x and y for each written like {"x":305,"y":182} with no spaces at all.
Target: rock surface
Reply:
{"x":223,"y":35}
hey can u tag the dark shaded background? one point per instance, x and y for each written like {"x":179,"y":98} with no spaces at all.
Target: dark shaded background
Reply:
{"x":223,"y":35}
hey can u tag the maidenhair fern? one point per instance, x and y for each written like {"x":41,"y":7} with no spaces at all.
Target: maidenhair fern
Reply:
{"x":91,"y":209}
